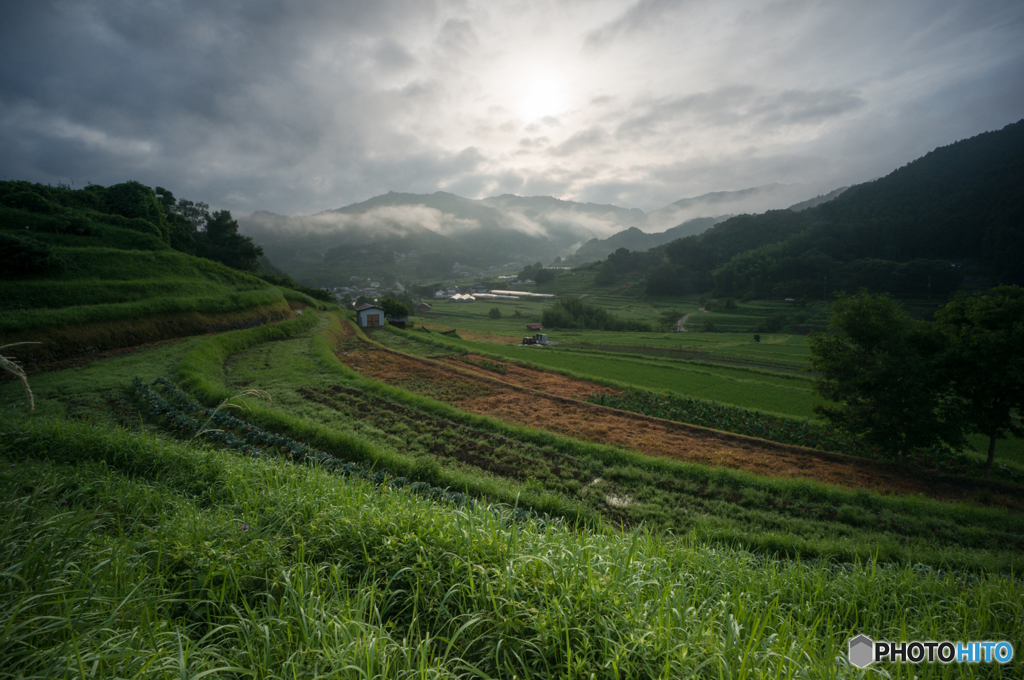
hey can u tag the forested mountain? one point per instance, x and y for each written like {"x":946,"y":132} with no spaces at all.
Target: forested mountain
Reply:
{"x":635,"y":239}
{"x":407,"y":235}
{"x":956,"y":212}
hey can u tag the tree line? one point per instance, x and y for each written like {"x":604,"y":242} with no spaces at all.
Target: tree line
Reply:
{"x":184,"y":225}
{"x":904,"y":386}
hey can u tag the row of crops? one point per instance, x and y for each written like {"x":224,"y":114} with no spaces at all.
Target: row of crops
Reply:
{"x":734,"y":419}
{"x":492,"y":366}
{"x":175,"y":410}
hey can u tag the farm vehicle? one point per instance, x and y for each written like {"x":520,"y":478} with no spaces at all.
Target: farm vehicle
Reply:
{"x":538,"y":339}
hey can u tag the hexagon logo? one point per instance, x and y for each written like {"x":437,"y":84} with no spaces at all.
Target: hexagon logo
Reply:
{"x":861,"y":651}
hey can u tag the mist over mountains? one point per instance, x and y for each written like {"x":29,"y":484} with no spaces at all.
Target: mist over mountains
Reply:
{"x":430,"y":233}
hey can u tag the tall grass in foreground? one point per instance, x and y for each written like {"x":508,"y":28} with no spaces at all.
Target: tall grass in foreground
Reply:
{"x":130,"y":556}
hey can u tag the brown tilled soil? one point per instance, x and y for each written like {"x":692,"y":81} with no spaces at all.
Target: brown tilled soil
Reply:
{"x":483,"y":337}
{"x":542,"y":381}
{"x":550,"y":401}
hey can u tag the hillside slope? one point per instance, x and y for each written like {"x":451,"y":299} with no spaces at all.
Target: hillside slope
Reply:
{"x":957,"y":211}
{"x":78,"y":281}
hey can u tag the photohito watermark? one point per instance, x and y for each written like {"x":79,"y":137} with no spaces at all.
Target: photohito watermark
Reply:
{"x":863,"y":651}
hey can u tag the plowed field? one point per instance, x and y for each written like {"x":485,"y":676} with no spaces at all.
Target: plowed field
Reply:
{"x":551,"y":402}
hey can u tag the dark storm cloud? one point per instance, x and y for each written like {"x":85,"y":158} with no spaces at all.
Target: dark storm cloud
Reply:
{"x":391,"y":56}
{"x":179,"y":93}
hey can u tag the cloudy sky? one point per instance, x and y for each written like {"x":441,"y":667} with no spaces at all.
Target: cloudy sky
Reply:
{"x":302,"y":106}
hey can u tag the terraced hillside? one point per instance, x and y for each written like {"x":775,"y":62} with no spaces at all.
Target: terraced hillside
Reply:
{"x":75,"y":285}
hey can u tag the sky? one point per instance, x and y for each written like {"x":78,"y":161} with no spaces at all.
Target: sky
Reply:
{"x":301,"y":106}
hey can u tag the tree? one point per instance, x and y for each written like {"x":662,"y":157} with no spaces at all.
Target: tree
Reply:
{"x":881,"y":369}
{"x":985,"y":362}
{"x":393,"y":309}
{"x":197,"y":214}
{"x":222,"y":242}
{"x":135,"y":200}
{"x":495,"y":313}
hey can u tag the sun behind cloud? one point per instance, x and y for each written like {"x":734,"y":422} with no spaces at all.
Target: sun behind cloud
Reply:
{"x":545,"y":95}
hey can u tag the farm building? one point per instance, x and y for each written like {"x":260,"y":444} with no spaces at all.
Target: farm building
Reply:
{"x":423,"y":307}
{"x":398,"y":321}
{"x":370,"y":316}
{"x":534,"y":327}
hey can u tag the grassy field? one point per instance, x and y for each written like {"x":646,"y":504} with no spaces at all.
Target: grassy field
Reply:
{"x":138,"y":557}
{"x":778,"y":393}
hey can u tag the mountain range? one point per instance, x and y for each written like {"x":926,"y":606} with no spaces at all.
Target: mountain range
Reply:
{"x":426,"y":235}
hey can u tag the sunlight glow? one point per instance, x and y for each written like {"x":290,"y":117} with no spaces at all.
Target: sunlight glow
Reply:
{"x":545,"y":96}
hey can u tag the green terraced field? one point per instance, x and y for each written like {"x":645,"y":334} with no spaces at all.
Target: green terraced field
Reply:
{"x":778,"y":393}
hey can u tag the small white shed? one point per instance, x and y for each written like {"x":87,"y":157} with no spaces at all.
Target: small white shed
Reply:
{"x":370,"y":316}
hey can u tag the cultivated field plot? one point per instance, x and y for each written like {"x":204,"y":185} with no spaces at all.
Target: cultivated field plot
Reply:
{"x":548,"y":403}
{"x":731,"y":368}
{"x":771,"y":515}
{"x":402,"y":434}
{"x":783,"y":393}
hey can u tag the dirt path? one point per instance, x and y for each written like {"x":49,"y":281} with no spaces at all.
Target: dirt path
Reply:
{"x":552,"y":402}
{"x":679,"y":324}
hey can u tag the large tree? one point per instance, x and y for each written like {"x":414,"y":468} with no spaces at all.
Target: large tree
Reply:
{"x":221,"y":242}
{"x":985,"y":362}
{"x":879,"y":367}
{"x":394,"y":309}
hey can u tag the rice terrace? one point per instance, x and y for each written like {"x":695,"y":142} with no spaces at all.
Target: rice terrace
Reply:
{"x":733,"y":403}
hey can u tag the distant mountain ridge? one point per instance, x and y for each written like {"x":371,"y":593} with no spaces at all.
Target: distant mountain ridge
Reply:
{"x":486,"y":232}
{"x":635,"y":239}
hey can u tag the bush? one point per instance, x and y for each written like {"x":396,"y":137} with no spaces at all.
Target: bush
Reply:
{"x":771,"y":324}
{"x":133,"y":200}
{"x":393,"y":309}
{"x":133,"y":223}
{"x":495,"y":313}
{"x":21,"y":255}
{"x":31,"y":201}
{"x":757,"y":337}
{"x":574,"y":313}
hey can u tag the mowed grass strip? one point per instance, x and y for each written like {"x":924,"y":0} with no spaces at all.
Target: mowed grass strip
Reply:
{"x":133,"y":556}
